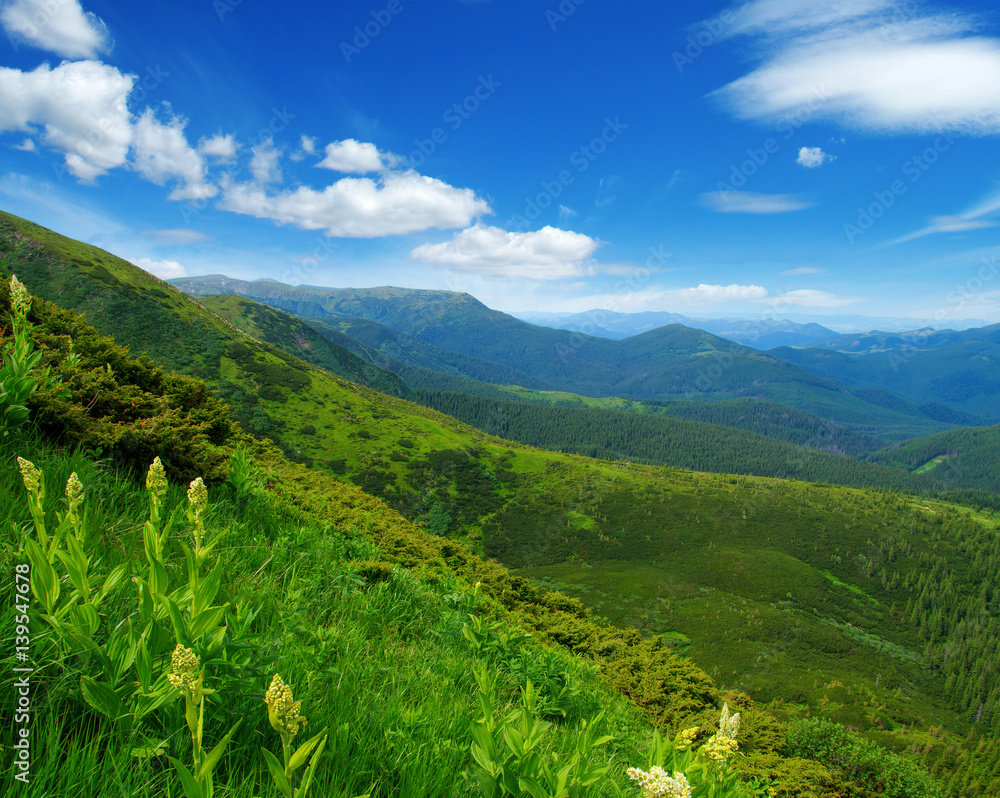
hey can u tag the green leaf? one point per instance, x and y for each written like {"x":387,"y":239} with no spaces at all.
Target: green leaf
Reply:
{"x":311,"y":770}
{"x":299,"y":757}
{"x":112,"y":581}
{"x":44,"y":581}
{"x":278,"y":774}
{"x":85,"y":619}
{"x":180,"y":628}
{"x":101,"y":697}
{"x":209,"y":764}
{"x":207,"y":591}
{"x":191,"y":787}
{"x":207,"y":621}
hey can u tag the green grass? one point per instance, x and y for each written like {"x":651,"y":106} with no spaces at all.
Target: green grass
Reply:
{"x":378,"y":657}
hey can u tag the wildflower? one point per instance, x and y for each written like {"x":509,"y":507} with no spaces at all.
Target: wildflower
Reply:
{"x":30,"y":474}
{"x":719,"y":748}
{"x":684,"y":739}
{"x":184,"y":663}
{"x":282,"y":710}
{"x":197,"y":495}
{"x":20,"y":299}
{"x":74,"y":492}
{"x":657,"y":784}
{"x":729,"y":725}
{"x":156,"y":478}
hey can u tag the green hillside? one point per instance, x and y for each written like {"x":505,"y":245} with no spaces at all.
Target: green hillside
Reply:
{"x":960,"y":370}
{"x":659,"y":440}
{"x":962,"y":459}
{"x":823,"y":600}
{"x":669,"y":362}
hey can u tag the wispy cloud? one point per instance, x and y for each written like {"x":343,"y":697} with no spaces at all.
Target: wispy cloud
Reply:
{"x":975,"y":218}
{"x":882,"y":65}
{"x":811,"y":298}
{"x":749,"y":202}
{"x":803,"y":270}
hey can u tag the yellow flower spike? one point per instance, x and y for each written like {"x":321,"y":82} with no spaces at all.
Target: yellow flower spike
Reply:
{"x":20,"y":299}
{"x":74,"y":492}
{"x":282,"y":709}
{"x":729,"y":725}
{"x":30,"y":474}
{"x":197,"y":495}
{"x":156,"y":478}
{"x":184,"y":663}
{"x":684,"y":739}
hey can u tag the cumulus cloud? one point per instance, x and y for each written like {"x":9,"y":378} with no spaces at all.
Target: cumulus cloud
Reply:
{"x":164,"y":269}
{"x":307,"y":146}
{"x":394,"y":204}
{"x":812,"y":298}
{"x":222,"y":148}
{"x":81,"y":106}
{"x":546,"y":254}
{"x":355,"y":157}
{"x":60,"y":26}
{"x":711,"y":295}
{"x":162,"y":153}
{"x":813,"y":157}
{"x":749,"y":202}
{"x":880,"y":65}
{"x":265,"y":165}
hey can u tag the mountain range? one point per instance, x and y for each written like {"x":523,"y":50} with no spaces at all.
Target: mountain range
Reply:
{"x":820,"y":568}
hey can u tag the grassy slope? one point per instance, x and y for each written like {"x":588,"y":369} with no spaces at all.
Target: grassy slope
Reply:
{"x":554,"y":511}
{"x":662,"y":363}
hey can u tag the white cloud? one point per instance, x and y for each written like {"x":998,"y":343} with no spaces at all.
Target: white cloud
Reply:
{"x":265,"y":166}
{"x":164,"y":269}
{"x":813,"y":157}
{"x":972,"y":219}
{"x":219,"y":146}
{"x":812,"y":298}
{"x":355,"y":157}
{"x":395,"y":204}
{"x":82,"y":107}
{"x":566,"y":213}
{"x":546,"y":254}
{"x":748,"y":202}
{"x":307,"y":146}
{"x":711,"y":295}
{"x":28,"y":145}
{"x":60,"y":26}
{"x":803,"y":270}
{"x":880,"y":65}
{"x":162,"y":153}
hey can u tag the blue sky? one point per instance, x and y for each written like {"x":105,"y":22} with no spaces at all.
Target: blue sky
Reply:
{"x":759,"y":158}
